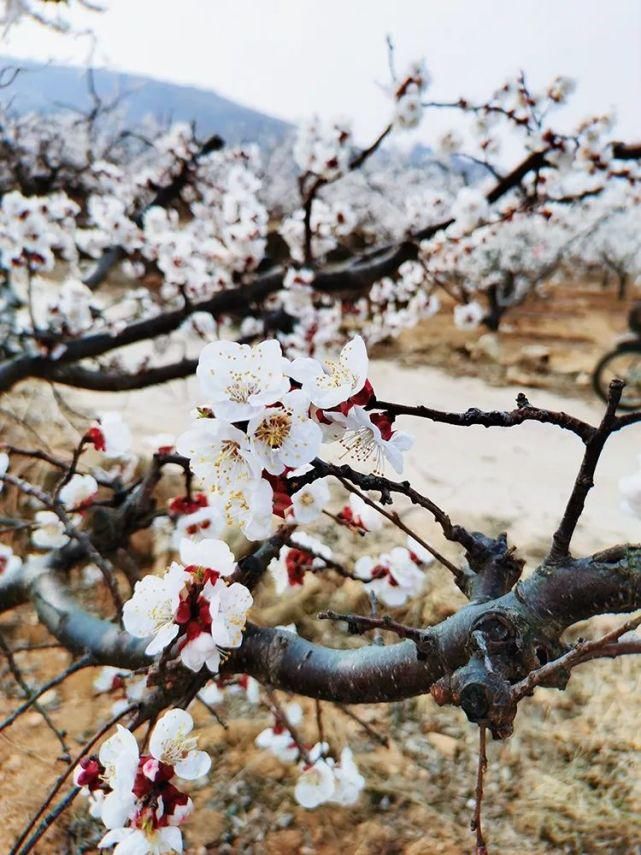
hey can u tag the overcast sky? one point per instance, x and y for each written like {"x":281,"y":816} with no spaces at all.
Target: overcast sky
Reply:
{"x":293,"y":57}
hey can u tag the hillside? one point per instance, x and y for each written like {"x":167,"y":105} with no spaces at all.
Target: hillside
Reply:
{"x":44,"y":88}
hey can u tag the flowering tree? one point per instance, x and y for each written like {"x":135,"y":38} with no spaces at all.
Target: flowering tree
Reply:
{"x":258,"y":450}
{"x":268,"y":284}
{"x":213,"y":244}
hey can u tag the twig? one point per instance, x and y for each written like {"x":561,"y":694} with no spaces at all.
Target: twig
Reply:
{"x":581,"y":652}
{"x":360,"y":623}
{"x":367,"y":727}
{"x":49,"y":819}
{"x":281,"y":717}
{"x":377,"y":638}
{"x":70,"y":529}
{"x":385,"y":487}
{"x":319,"y":721}
{"x":560,"y":548}
{"x":475,"y":825}
{"x":26,"y":688}
{"x":85,"y":662}
{"x":492,"y":418}
{"x":394,"y":518}
{"x":213,"y":712}
{"x":71,"y":468}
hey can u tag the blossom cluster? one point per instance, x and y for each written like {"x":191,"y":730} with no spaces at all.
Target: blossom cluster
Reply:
{"x":395,"y":576}
{"x":322,"y":779}
{"x":408,"y":107}
{"x":263,"y":416}
{"x":211,"y":234}
{"x":193,"y":604}
{"x":134,"y":795}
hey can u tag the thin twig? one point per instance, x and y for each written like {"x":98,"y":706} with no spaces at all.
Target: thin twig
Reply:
{"x":367,"y":727}
{"x":492,"y":418}
{"x":560,"y":547}
{"x":581,"y":652}
{"x":26,"y":688}
{"x":476,"y":824}
{"x":85,"y":662}
{"x":283,"y":720}
{"x":394,"y":518}
{"x":213,"y":712}
{"x":329,"y":563}
{"x":386,"y":487}
{"x":361,"y":623}
{"x":377,"y":638}
{"x":49,"y":819}
{"x":319,"y":721}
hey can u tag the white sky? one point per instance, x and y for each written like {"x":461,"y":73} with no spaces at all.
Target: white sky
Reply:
{"x":293,"y":57}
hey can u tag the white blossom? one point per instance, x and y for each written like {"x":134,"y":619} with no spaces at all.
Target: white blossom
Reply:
{"x":310,"y":501}
{"x":111,"y":435}
{"x":220,"y":455}
{"x":49,"y":532}
{"x":143,"y":841}
{"x":172,"y":744}
{"x":78,"y":492}
{"x":347,"y":779}
{"x":468,"y":316}
{"x":369,"y":437}
{"x":285,"y":436}
{"x":332,"y":382}
{"x":278,"y":739}
{"x":209,"y":553}
{"x":9,"y":562}
{"x":393,"y":576}
{"x":316,"y":783}
{"x":238,"y":381}
{"x":151,"y":610}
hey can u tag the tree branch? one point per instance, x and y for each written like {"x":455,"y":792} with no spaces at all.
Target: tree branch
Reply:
{"x":585,"y":478}
{"x":492,"y":418}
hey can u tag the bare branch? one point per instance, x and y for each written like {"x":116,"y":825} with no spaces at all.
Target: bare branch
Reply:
{"x":585,"y":478}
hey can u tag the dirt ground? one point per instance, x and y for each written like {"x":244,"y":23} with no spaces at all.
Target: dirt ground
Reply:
{"x":551,"y":341}
{"x":567,"y":781}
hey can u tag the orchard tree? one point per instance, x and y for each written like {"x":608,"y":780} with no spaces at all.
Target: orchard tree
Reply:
{"x":271,"y":304}
{"x":257,"y":451}
{"x":212,"y":245}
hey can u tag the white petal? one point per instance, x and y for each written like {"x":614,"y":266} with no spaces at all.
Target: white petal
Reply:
{"x":162,"y":639}
{"x":172,"y":839}
{"x":117,"y":808}
{"x":208,"y":552}
{"x":194,"y":766}
{"x":173,"y":724}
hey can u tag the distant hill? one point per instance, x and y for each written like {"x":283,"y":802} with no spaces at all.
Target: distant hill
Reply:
{"x":45,"y":88}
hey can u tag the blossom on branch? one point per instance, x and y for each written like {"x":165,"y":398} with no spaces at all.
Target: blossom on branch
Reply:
{"x":193,"y":604}
{"x":333,"y":382}
{"x":238,"y":381}
{"x":285,"y":436}
{"x":49,"y":532}
{"x":393,"y":576}
{"x":110,"y":435}
{"x":133,"y":794}
{"x":79,"y":492}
